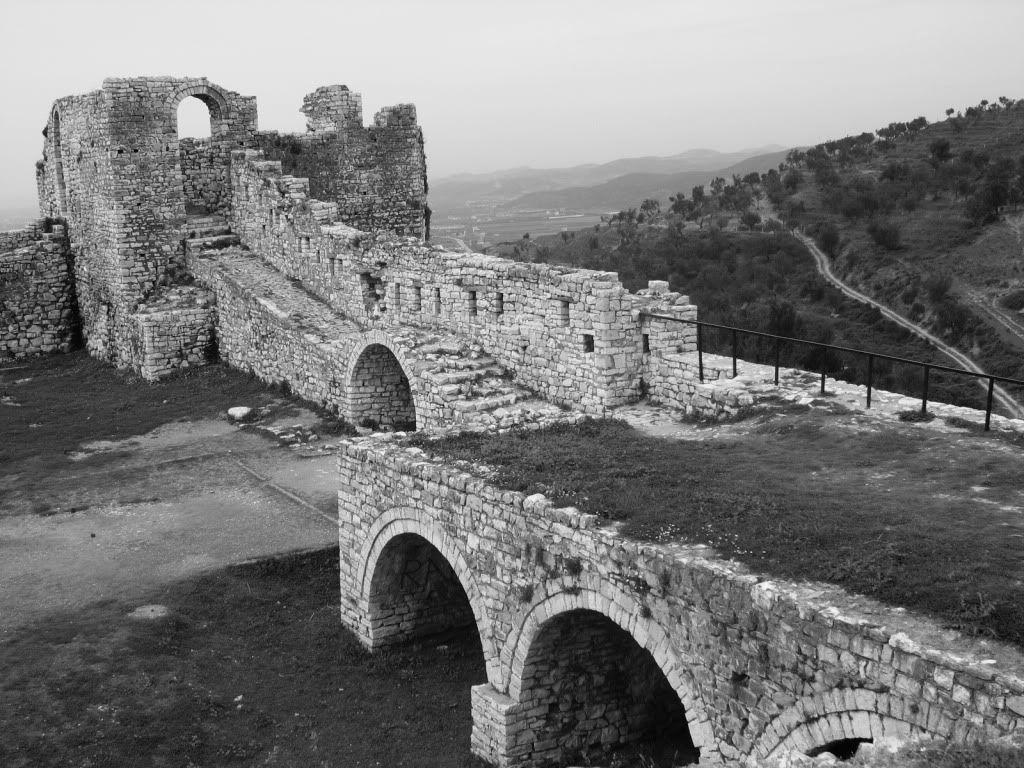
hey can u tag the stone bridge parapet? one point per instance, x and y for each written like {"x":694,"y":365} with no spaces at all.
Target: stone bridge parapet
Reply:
{"x":743,"y":667}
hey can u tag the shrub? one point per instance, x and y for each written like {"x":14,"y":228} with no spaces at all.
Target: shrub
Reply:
{"x":828,"y":239}
{"x":885,"y":234}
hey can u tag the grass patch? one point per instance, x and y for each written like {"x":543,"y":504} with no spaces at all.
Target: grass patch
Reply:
{"x":250,"y":667}
{"x":986,"y":754}
{"x":73,"y":398}
{"x":886,"y":513}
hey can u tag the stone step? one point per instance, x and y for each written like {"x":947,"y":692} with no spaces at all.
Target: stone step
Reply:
{"x":214,"y":242}
{"x":207,"y":226}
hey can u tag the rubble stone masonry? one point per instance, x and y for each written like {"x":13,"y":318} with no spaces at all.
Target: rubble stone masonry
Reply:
{"x":37,"y":298}
{"x":755,"y":667}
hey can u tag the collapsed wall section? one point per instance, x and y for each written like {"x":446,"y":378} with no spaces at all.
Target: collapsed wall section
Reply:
{"x":573,"y":336}
{"x":376,"y":175}
{"x":37,"y":297}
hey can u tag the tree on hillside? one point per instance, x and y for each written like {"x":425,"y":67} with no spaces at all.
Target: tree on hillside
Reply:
{"x":649,"y":210}
{"x":940,"y":150}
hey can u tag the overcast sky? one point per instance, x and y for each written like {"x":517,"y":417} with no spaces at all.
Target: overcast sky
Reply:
{"x":518,"y":83}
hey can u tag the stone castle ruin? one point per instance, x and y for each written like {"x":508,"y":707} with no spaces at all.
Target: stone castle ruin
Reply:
{"x":305,"y":259}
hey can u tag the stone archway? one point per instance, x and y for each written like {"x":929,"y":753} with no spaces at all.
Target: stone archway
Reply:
{"x":842,"y":719}
{"x":403,"y":532}
{"x":379,"y":390}
{"x":601,"y":632}
{"x":204,"y":163}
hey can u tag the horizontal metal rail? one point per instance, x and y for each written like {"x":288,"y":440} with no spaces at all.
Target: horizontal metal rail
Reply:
{"x":871,"y":357}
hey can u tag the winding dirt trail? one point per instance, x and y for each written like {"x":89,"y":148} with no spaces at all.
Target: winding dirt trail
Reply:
{"x":825,"y":269}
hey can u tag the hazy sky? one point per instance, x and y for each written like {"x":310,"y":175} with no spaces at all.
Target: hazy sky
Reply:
{"x":530,"y":83}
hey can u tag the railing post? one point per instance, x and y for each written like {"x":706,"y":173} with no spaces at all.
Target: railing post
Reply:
{"x":924,"y":394}
{"x":871,"y":366}
{"x":734,"y":353}
{"x":824,"y":361}
{"x":988,"y":403}
{"x":700,"y":354}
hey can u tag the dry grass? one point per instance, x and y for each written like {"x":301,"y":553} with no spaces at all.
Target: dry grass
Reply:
{"x":251,"y":667}
{"x":802,"y":498}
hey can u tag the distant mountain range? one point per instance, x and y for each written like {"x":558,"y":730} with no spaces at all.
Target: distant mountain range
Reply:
{"x":17,"y":217}
{"x":603,"y":186}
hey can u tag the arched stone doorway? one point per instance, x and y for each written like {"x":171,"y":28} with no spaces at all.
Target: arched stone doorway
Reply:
{"x":593,"y":690}
{"x":379,"y":394}
{"x":415,"y":593}
{"x":201,"y":129}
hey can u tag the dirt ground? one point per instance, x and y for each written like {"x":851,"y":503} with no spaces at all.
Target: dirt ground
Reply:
{"x":170,"y":591}
{"x":138,"y":513}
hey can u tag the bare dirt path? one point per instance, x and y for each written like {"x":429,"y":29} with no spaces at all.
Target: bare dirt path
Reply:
{"x":186,"y":498}
{"x":825,"y":269}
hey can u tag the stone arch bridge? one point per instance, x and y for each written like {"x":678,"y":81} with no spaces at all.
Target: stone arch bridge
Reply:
{"x":592,"y":641}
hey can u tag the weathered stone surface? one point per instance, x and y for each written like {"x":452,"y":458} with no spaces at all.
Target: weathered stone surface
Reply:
{"x":758,"y":668}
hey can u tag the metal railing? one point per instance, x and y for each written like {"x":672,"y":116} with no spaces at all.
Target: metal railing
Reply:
{"x":928,"y":368}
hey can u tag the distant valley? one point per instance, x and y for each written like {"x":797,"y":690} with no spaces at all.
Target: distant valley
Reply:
{"x":480,"y":210}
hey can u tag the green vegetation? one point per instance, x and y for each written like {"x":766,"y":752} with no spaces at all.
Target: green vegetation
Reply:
{"x":987,"y":754}
{"x":764,"y":281}
{"x":251,"y":666}
{"x":801,"y":497}
{"x":911,"y":214}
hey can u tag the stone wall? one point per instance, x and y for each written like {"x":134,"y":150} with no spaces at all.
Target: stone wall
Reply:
{"x":377,"y":175}
{"x":573,"y":336}
{"x":205,"y":176}
{"x":758,"y":666}
{"x":415,"y":593}
{"x":173,"y":329}
{"x":37,"y":298}
{"x":112,"y":168}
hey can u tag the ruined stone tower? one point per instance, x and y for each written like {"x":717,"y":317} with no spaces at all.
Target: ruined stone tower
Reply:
{"x":115,"y":169}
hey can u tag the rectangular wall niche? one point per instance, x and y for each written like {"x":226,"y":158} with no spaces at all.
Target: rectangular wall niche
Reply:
{"x":471,"y":303}
{"x":437,"y":301}
{"x":499,"y":303}
{"x":588,"y":342}
{"x":563,"y":312}
{"x":417,"y":299}
{"x":647,"y":344}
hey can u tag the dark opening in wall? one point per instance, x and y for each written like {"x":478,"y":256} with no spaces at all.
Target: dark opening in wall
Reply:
{"x":647,"y":343}
{"x":843,"y":749}
{"x":499,"y":303}
{"x":588,"y":342}
{"x":379,"y":394}
{"x":589,"y":689}
{"x":415,"y":593}
{"x":371,"y":287}
{"x":471,"y":303}
{"x":563,"y":312}
{"x":332,"y":260}
{"x":437,"y":301}
{"x":417,"y":299}
{"x":398,"y":296}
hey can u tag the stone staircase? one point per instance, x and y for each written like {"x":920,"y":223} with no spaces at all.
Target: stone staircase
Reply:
{"x":469,"y":389}
{"x":208,"y":231}
{"x":481,"y":393}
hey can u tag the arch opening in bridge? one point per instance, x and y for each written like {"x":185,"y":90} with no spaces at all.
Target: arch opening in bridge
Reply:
{"x":379,"y":393}
{"x":415,"y":593}
{"x":841,"y":749}
{"x":588,"y":689}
